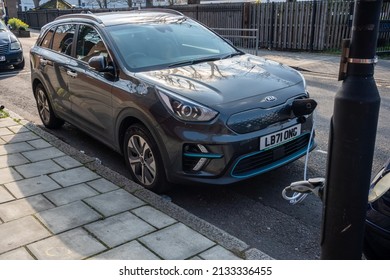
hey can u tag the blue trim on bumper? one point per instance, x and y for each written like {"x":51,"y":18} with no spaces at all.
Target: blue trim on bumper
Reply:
{"x":271,"y":166}
{"x":211,"y":156}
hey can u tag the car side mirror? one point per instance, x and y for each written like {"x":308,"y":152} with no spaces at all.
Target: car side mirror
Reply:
{"x":99,"y":63}
{"x":381,"y":183}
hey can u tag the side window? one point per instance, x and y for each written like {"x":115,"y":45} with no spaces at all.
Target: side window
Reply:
{"x":89,"y":44}
{"x":46,"y":42}
{"x":63,"y":38}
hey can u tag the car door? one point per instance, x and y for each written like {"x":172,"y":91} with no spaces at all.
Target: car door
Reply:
{"x":90,"y":90}
{"x":53,"y":58}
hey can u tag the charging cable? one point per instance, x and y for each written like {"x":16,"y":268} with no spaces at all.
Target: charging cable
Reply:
{"x":299,"y":197}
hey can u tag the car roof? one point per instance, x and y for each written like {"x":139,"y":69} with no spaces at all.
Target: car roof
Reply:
{"x":134,"y":16}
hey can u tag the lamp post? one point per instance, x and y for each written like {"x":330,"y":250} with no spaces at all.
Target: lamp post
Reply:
{"x":352,"y":140}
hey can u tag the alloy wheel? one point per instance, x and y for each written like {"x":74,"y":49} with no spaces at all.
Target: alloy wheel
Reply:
{"x":43,"y":106}
{"x":141,"y":159}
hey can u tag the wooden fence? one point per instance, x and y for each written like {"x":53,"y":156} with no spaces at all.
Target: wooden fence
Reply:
{"x":300,"y":26}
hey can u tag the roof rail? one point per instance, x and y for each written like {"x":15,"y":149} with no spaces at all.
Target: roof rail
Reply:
{"x":94,"y":17}
{"x":169,"y":11}
{"x":87,"y":15}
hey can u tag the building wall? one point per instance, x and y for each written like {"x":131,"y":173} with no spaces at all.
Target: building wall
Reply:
{"x":12,"y":8}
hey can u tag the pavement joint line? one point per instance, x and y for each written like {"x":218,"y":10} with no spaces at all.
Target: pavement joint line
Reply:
{"x":204,"y":228}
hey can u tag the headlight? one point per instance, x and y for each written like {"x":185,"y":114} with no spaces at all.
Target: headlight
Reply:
{"x":15,"y":46}
{"x":303,"y":80}
{"x":185,"y":109}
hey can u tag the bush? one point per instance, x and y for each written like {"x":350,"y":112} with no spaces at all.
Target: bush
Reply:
{"x":17,"y":24}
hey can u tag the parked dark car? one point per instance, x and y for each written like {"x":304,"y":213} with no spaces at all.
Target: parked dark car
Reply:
{"x":377,"y":232}
{"x":11,"y":52}
{"x":177,"y":100}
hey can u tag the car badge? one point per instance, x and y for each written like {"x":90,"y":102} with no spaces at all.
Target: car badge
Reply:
{"x":270,"y":98}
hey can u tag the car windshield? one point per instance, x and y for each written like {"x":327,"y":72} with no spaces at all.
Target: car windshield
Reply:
{"x":165,"y":44}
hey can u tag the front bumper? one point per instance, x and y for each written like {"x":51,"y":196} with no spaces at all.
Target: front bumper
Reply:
{"x":226,"y":159}
{"x":13,"y":58}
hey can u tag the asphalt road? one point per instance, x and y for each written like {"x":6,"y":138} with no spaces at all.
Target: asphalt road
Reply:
{"x":254,"y":210}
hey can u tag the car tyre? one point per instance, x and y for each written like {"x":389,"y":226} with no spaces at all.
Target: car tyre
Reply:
{"x":143,"y":159}
{"x":45,"y":109}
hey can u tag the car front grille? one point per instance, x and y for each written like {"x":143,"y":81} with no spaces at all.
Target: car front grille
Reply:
{"x":3,"y":49}
{"x":261,"y":162}
{"x":260,"y":118}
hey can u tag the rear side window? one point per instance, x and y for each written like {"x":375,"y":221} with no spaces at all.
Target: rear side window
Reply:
{"x":89,"y":44}
{"x":46,"y":42}
{"x":63,"y":38}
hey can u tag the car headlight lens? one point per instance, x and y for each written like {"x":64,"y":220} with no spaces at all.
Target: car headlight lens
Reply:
{"x":185,"y":109}
{"x":15,"y":45}
{"x":303,"y":80}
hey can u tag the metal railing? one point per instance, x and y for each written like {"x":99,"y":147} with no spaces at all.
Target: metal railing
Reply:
{"x":243,"y":38}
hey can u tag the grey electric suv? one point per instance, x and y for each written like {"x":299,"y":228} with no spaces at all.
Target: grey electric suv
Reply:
{"x":177,"y":100}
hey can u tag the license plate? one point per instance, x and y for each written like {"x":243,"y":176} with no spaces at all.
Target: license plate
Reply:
{"x":280,"y":137}
{"x":2,"y":58}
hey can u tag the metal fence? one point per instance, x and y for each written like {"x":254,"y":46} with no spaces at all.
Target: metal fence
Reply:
{"x":298,"y":26}
{"x":243,"y":38}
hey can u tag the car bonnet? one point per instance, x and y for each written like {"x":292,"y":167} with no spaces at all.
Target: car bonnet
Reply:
{"x":226,"y":81}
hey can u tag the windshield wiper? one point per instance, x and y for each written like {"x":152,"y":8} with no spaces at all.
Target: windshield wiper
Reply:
{"x":232,"y":54}
{"x":194,"y":61}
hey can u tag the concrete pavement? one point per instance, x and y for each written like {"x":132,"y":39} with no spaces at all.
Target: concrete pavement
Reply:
{"x":57,"y":203}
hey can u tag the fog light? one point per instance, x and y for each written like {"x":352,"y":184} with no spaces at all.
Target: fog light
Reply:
{"x":196,"y":157}
{"x":202,"y":161}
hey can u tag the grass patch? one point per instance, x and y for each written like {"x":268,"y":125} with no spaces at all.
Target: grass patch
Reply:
{"x":3,"y":114}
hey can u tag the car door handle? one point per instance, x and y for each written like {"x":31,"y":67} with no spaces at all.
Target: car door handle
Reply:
{"x":43,"y":61}
{"x":71,"y":73}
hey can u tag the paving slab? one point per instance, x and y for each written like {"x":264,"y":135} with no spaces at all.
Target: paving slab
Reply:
{"x":119,"y":229}
{"x":5,"y":195}
{"x":15,"y":148}
{"x":67,"y":162}
{"x":218,"y":253}
{"x":102,"y":185}
{"x":20,"y":232}
{"x":42,"y":154}
{"x":154,"y":217}
{"x":23,"y":207}
{"x":129,"y":251}
{"x":5,"y":131}
{"x":18,"y":128}
{"x":74,"y":176}
{"x":32,"y":186}
{"x":176,"y":242}
{"x":38,"y":168}
{"x":17,"y":254}
{"x":114,"y":202}
{"x":67,"y":217}
{"x":12,"y":160}
{"x":20,"y":137}
{"x":7,"y":122}
{"x":70,"y":194}
{"x":39,"y":144}
{"x":9,"y":175}
{"x":76,"y":244}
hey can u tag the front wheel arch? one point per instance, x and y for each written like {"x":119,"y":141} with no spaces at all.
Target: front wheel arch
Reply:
{"x":143,"y":158}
